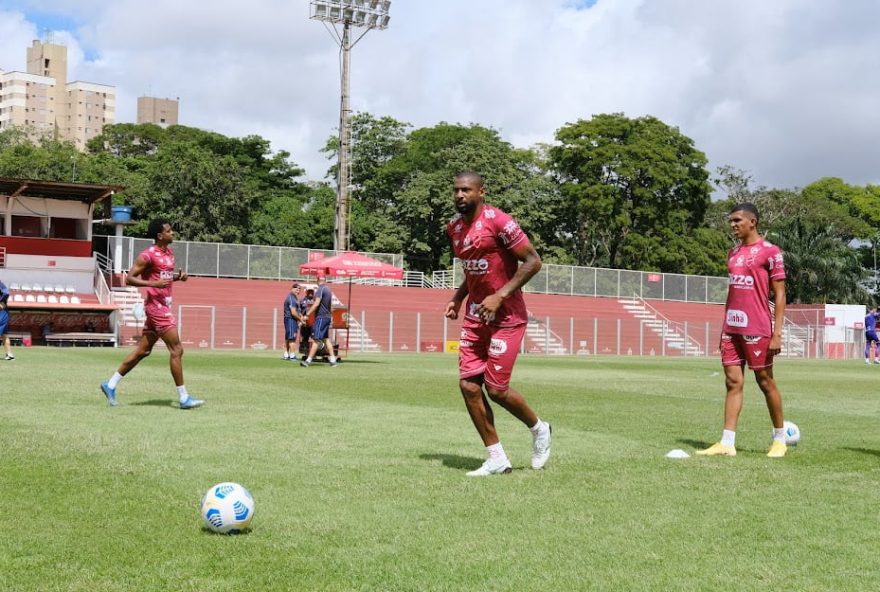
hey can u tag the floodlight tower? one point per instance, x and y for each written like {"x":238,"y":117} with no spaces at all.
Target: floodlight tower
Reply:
{"x":365,"y":14}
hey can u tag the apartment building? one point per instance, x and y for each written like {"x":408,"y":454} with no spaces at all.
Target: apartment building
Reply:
{"x":162,"y":112}
{"x":44,"y":102}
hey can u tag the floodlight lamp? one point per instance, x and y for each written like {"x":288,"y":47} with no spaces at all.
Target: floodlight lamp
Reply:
{"x":359,"y":3}
{"x":359,"y":17}
{"x":335,"y":12}
{"x":371,"y":19}
{"x":383,"y":21}
{"x":386,"y":6}
{"x":348,"y":14}
{"x":319,"y":10}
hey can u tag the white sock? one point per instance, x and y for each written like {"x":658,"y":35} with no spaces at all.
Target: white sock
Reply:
{"x":332,"y":359}
{"x":779,"y":434}
{"x":309,"y":359}
{"x":539,"y":428}
{"x":286,"y":355}
{"x":496,"y":451}
{"x":114,"y":380}
{"x":182,"y":394}
{"x":728,"y":437}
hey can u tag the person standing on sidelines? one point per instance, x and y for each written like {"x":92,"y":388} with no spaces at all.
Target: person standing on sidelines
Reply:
{"x":752,"y":332}
{"x":292,"y":320}
{"x":321,"y":307}
{"x":154,"y":270}
{"x":4,"y":321}
{"x":491,"y":246}
{"x":872,"y":343}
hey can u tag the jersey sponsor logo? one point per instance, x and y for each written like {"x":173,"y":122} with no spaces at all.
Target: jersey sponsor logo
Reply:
{"x":166,"y":275}
{"x":754,"y":250}
{"x":489,"y":213}
{"x":497,"y":347}
{"x":479,"y":225}
{"x":740,"y":280}
{"x":475,"y":265}
{"x":464,"y":343}
{"x":457,"y":228}
{"x":751,"y":339}
{"x":737,"y":318}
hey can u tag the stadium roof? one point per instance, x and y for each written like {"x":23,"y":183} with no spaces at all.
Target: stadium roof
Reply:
{"x":82,"y":192}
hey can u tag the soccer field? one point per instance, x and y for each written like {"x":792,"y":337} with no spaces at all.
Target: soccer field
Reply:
{"x":359,"y":478}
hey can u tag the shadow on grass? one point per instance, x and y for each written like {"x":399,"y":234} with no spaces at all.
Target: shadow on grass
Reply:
{"x":155,"y":403}
{"x":347,"y":361}
{"x":698,"y":444}
{"x":454,"y":461}
{"x":209,"y":532}
{"x":870,"y":451}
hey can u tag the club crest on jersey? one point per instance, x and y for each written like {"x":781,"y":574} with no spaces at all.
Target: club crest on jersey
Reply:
{"x":739,"y":261}
{"x":497,"y":347}
{"x":737,"y":318}
{"x":479,"y":225}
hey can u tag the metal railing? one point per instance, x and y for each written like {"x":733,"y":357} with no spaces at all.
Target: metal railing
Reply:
{"x":621,"y":283}
{"x":230,"y":260}
{"x":282,"y":263}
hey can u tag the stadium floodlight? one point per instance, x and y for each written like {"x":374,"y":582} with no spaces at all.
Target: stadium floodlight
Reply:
{"x":365,"y":14}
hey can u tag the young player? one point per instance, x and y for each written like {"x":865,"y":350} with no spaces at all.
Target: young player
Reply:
{"x":751,"y":332}
{"x":154,"y":270}
{"x":292,"y":320}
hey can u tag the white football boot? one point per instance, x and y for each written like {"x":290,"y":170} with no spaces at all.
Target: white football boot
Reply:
{"x":541,"y":448}
{"x":492,"y":466}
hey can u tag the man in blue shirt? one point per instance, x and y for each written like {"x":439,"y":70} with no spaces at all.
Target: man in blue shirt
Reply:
{"x":321,"y":327}
{"x":4,"y":320}
{"x":292,"y":320}
{"x":871,"y":341}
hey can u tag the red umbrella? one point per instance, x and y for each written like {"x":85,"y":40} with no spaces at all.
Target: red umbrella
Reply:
{"x":350,"y":265}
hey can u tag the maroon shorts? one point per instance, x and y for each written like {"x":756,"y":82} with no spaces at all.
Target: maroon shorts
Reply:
{"x":159,"y":318}
{"x":490,"y":351}
{"x":736,"y":350}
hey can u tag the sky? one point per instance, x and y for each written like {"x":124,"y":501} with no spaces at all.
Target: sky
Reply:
{"x":787,"y":90}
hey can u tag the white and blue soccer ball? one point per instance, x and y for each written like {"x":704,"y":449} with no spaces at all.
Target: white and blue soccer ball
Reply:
{"x":228,"y":508}
{"x":792,"y":433}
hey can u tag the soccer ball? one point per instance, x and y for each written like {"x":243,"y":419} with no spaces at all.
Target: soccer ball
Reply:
{"x":228,"y":508}
{"x":792,"y":433}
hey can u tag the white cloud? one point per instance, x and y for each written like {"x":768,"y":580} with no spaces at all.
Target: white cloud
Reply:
{"x":786,"y":89}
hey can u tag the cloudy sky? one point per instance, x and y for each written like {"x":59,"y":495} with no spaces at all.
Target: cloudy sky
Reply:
{"x":788,"y":90}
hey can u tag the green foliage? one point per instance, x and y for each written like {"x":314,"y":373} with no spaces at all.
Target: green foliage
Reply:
{"x":631,"y":185}
{"x":820,"y":268}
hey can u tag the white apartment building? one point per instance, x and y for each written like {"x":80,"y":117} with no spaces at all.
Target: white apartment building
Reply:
{"x":45,"y":103}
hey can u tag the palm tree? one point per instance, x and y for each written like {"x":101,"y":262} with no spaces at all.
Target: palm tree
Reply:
{"x":820,"y":267}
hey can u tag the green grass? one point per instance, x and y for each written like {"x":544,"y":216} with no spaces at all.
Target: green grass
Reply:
{"x":358,"y":477}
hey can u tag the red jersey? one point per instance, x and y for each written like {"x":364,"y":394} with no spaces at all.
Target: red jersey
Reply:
{"x":486,"y":250}
{"x":751,"y":268}
{"x":160,"y":265}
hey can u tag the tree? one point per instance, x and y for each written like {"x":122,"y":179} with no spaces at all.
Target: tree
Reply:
{"x":408,"y":198}
{"x":820,"y":268}
{"x":631,"y":184}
